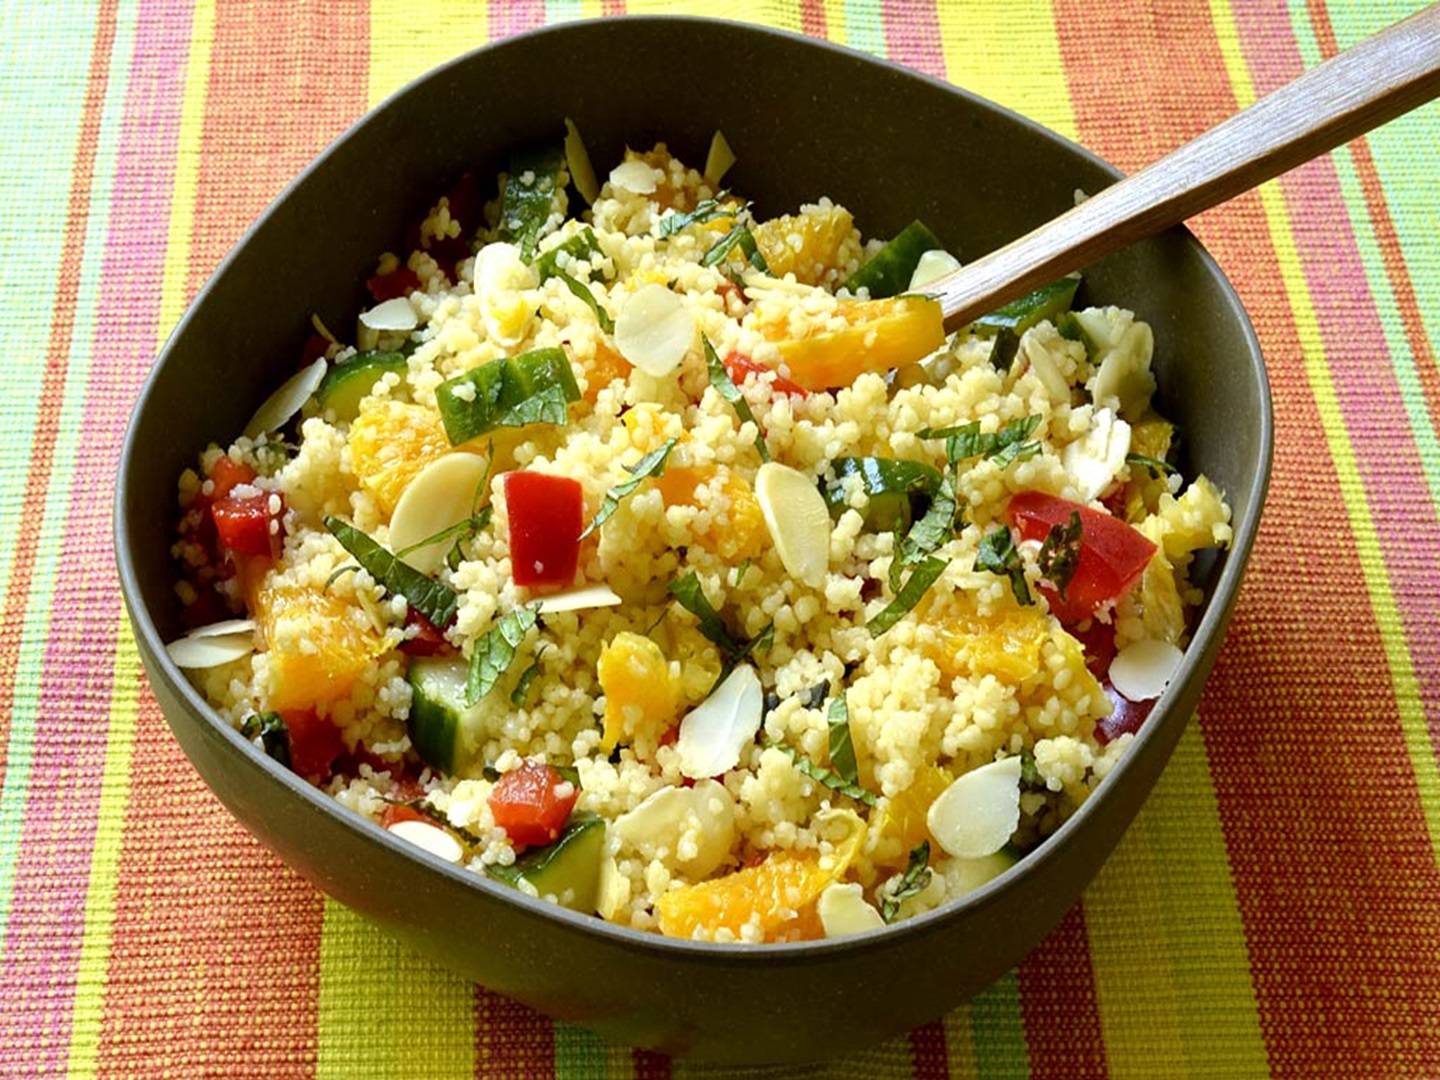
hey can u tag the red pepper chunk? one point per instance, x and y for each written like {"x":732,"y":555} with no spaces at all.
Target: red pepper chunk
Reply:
{"x":547,"y":514}
{"x":740,"y":368}
{"x":315,"y":743}
{"x":1113,"y":555}
{"x":243,"y":524}
{"x":532,"y":804}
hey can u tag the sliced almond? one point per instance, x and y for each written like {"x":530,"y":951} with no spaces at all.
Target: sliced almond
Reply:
{"x":843,"y":910}
{"x":440,"y":497}
{"x":614,"y":891}
{"x":1143,"y":669}
{"x":719,"y":159}
{"x":577,"y":160}
{"x":587,"y":596}
{"x":932,"y":266}
{"x":1094,"y":459}
{"x":655,"y":330}
{"x":224,"y":628}
{"x":634,"y":176}
{"x":276,"y":410}
{"x":976,"y":815}
{"x":194,"y":653}
{"x":692,"y":829}
{"x":396,"y":313}
{"x":713,"y":734}
{"x":431,"y":838}
{"x":798,"y":520}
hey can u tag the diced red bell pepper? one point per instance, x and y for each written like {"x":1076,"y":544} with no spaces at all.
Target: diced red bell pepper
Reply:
{"x":429,"y":639}
{"x":405,"y":790}
{"x":532,"y":804}
{"x":1112,"y":554}
{"x":315,"y":743}
{"x":1127,"y":717}
{"x":1098,"y":640}
{"x":547,"y":514}
{"x":741,"y":368}
{"x":226,"y":474}
{"x":399,"y":282}
{"x":244,"y":524}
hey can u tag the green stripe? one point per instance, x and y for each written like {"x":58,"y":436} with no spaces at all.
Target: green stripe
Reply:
{"x":562,"y":10}
{"x":61,"y":33}
{"x":383,"y":1011}
{"x":864,"y":27}
{"x":580,"y":1054}
{"x":1407,"y":181}
{"x":1000,"y":1049}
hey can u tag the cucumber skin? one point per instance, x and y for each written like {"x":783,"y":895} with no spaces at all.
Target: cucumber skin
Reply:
{"x":889,"y":272}
{"x":435,"y":723}
{"x":498,"y":386}
{"x":1046,"y":302}
{"x":345,"y":384}
{"x":549,"y":869}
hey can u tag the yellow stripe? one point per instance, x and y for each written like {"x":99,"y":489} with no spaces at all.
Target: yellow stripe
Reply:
{"x":408,"y":38}
{"x":960,"y":1042}
{"x":173,"y":285}
{"x":385,"y":1011}
{"x":836,"y":27}
{"x":1352,"y":489}
{"x":89,"y":1007}
{"x":1009,"y":53}
{"x":774,"y":13}
{"x":1166,"y":941}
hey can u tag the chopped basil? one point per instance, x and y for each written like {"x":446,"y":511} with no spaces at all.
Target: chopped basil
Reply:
{"x":738,"y":574}
{"x":1154,"y":465}
{"x":705,"y":210}
{"x":831,"y":779}
{"x":533,"y":388}
{"x":528,"y":676}
{"x":913,"y":882}
{"x":528,"y":199}
{"x":433,"y":599}
{"x":691,"y":596}
{"x":1006,"y":445}
{"x":581,"y":290}
{"x":580,"y":246}
{"x":1060,"y":553}
{"x":422,"y":805}
{"x":274,"y":736}
{"x":1030,"y":778}
{"x":927,"y":534}
{"x":842,"y":750}
{"x":725,"y":386}
{"x":495,"y":652}
{"x":1004,"y":349}
{"x":916,"y":585}
{"x":998,"y":555}
{"x":740,"y":236}
{"x":652,"y":464}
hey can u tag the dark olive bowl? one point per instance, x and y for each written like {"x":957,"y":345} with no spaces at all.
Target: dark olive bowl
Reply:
{"x":806,"y":120}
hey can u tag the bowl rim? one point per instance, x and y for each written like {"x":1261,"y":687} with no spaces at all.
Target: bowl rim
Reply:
{"x":1206,"y":635}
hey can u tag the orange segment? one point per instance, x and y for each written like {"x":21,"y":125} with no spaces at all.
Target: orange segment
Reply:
{"x":742,"y":533}
{"x":806,"y":245}
{"x":901,"y":824}
{"x":318,"y":645}
{"x":390,"y":443}
{"x":778,"y":896}
{"x":640,"y":695}
{"x":1006,"y":645}
{"x":878,"y":335}
{"x":607,"y":366}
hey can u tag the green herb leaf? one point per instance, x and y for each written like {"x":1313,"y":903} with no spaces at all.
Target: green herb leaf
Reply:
{"x":738,"y":574}
{"x":433,"y":599}
{"x":842,"y":750}
{"x":1030,"y":777}
{"x":916,"y":585}
{"x":1004,"y":349}
{"x":705,"y":210}
{"x":529,"y":198}
{"x":691,"y":596}
{"x":495,"y":652}
{"x":1006,"y":445}
{"x":1154,"y":465}
{"x":1060,"y":553}
{"x":927,"y":534}
{"x":831,"y":779}
{"x":652,"y":464}
{"x":581,"y":290}
{"x":528,"y":676}
{"x":740,"y":236}
{"x":422,"y":805}
{"x":913,"y":882}
{"x":582,"y":245}
{"x":998,"y":555}
{"x":725,"y":386}
{"x":274,"y":736}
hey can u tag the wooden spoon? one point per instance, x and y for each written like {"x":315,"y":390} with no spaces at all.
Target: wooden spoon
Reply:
{"x":1377,"y":80}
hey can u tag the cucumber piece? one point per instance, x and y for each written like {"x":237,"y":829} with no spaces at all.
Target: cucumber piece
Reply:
{"x":568,"y":869}
{"x":967,"y":875}
{"x":533,"y":388}
{"x":889,"y":272}
{"x":889,"y":483}
{"x":346,"y":383}
{"x":442,"y":729}
{"x":1046,"y":302}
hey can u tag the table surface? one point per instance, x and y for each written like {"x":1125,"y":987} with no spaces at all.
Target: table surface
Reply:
{"x":1275,"y":910}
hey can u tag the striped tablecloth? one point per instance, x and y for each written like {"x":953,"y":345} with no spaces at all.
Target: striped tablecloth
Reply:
{"x":1274,"y":911}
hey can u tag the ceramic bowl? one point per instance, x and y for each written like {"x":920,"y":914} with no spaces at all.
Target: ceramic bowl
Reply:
{"x":806,"y":119}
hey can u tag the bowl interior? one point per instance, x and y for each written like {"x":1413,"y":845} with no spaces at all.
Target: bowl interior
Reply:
{"x":806,"y":120}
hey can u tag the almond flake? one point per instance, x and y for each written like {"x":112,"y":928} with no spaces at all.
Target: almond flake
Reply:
{"x":431,"y":838}
{"x":587,"y":596}
{"x":798,"y":520}
{"x":713,"y":734}
{"x":441,"y":496}
{"x":654,"y":330}
{"x":976,"y":815}
{"x":1143,"y":669}
{"x":194,"y":653}
{"x":276,"y":410}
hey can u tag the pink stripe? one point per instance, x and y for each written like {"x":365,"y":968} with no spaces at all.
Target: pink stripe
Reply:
{"x":515,"y":16}
{"x":1358,"y":357}
{"x":912,"y":36}
{"x":42,"y":949}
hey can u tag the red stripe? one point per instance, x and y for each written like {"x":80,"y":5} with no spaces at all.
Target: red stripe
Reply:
{"x":649,"y":1065}
{"x":812,"y":18}
{"x":1336,"y":883}
{"x":512,"y":1042}
{"x":1059,"y":1007}
{"x":215,"y":950}
{"x":57,"y":362}
{"x":912,"y":35}
{"x":929,"y":1059}
{"x":612,"y":7}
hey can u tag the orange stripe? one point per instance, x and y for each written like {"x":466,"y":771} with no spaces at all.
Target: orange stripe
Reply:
{"x":1057,"y":1000}
{"x":512,"y":1042}
{"x":1387,"y":239}
{"x":57,"y":363}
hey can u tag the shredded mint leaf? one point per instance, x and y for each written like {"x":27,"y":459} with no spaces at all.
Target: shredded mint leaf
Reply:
{"x":998,"y":555}
{"x":274,"y":736}
{"x":705,"y":210}
{"x":581,"y":290}
{"x":1060,"y":553}
{"x":1154,"y":465}
{"x":913,"y":882}
{"x":740,"y":236}
{"x":422,"y":806}
{"x":521,"y":692}
{"x":652,"y":464}
{"x":928,"y":534}
{"x":348,"y":568}
{"x":688,"y":591}
{"x":547,"y":405}
{"x":725,"y":386}
{"x":842,"y":750}
{"x":1004,"y":349}
{"x":738,"y":574}
{"x":831,"y":779}
{"x":916,"y":585}
{"x":1030,"y":777}
{"x":495,"y":652}
{"x":582,"y":245}
{"x":529,"y":197}
{"x":433,"y":599}
{"x":1006,"y":445}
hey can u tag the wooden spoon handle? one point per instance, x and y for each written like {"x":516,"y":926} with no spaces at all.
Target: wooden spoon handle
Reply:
{"x":1377,"y":80}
